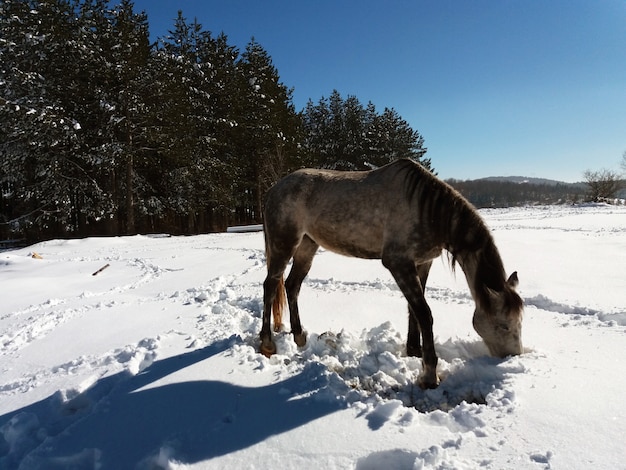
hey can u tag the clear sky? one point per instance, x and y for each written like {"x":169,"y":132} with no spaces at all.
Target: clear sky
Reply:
{"x":495,"y":87}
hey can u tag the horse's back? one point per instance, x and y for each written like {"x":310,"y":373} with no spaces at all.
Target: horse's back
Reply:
{"x":346,"y":212}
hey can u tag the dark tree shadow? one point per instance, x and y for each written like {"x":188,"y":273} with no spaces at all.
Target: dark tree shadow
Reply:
{"x":121,"y":422}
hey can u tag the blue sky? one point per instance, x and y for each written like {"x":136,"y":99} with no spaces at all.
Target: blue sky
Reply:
{"x":501,"y":87}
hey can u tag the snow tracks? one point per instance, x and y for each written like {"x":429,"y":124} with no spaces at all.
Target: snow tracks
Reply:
{"x":153,"y":362}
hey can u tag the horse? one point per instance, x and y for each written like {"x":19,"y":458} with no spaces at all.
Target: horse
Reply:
{"x":404,"y":216}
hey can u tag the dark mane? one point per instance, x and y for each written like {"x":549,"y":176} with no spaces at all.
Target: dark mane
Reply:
{"x":454,"y":220}
{"x":451,"y":217}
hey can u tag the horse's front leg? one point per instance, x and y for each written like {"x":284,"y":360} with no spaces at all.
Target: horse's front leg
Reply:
{"x":405,"y":275}
{"x":429,"y":377}
{"x":413,"y":338}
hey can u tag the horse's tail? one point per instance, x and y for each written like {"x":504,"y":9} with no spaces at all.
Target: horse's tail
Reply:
{"x":279,"y":304}
{"x":280,"y":298}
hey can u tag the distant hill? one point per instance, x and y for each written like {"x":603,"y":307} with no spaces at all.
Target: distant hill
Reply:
{"x":529,"y":180}
{"x":507,"y":191}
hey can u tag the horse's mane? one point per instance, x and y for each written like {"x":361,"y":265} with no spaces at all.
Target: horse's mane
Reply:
{"x":454,"y":220}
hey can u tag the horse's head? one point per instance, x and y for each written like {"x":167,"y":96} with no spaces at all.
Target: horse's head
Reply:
{"x":500,"y":322}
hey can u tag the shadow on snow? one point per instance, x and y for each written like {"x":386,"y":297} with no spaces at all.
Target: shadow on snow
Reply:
{"x":117,"y":423}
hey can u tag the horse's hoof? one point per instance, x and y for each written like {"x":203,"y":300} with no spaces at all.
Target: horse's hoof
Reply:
{"x":278,"y":327}
{"x":268,"y":349}
{"x":427,"y":383}
{"x":413,"y":351}
{"x":300,"y":339}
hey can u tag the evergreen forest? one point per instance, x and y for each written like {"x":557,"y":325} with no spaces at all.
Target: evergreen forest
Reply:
{"x":103,"y":132}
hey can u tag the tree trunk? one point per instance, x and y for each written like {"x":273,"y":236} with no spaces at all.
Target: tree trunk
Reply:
{"x":130,"y":209}
{"x":259,"y":201}
{"x":113,"y":227}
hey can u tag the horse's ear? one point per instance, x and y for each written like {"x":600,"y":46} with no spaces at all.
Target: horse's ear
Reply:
{"x":513,"y":280}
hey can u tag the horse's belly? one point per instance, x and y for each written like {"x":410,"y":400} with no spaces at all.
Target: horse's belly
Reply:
{"x":363,"y":243}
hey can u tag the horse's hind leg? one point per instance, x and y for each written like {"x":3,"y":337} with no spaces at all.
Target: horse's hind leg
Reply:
{"x":302,"y":260}
{"x":414,"y":340}
{"x":276,"y":263}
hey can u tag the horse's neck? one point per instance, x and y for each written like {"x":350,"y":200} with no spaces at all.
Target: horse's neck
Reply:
{"x":469,"y":264}
{"x":483,"y":271}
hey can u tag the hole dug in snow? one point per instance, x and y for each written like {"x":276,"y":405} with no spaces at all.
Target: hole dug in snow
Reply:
{"x":374,"y":366}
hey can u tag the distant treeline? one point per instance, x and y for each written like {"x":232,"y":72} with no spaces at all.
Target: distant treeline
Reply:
{"x":493,"y":193}
{"x":103,"y":132}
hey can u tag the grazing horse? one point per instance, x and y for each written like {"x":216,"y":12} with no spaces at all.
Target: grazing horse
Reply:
{"x":403,"y":215}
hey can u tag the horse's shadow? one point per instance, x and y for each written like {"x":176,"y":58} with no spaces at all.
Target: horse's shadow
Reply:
{"x":120,"y":422}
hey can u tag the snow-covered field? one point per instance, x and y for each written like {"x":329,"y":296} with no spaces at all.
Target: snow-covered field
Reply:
{"x":153,"y":362}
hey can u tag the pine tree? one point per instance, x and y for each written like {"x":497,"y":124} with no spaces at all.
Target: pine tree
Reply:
{"x":342,"y":134}
{"x":315,"y":142}
{"x":77,"y":127}
{"x":174,"y":112}
{"x":95,"y":110}
{"x":394,"y":138}
{"x":41,"y":134}
{"x":129,"y":54}
{"x":268,"y":128}
{"x":193,"y":116}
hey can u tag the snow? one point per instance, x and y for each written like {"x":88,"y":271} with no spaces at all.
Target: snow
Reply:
{"x":153,"y":363}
